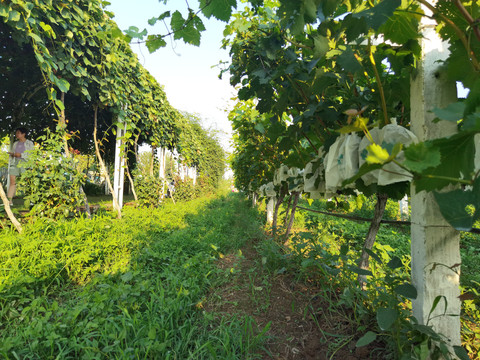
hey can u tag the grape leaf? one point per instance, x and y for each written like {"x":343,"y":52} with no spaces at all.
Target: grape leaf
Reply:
{"x":154,"y":42}
{"x":453,"y":112}
{"x":453,"y":206}
{"x":348,"y":61}
{"x":220,"y":9}
{"x":400,"y":28}
{"x":456,"y":162}
{"x":472,"y":103}
{"x":421,"y":156}
{"x":379,"y":14}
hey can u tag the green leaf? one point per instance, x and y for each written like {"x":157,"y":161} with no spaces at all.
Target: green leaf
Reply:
{"x":155,"y":42}
{"x":454,"y":206}
{"x":407,"y":290}
{"x":461,"y":352}
{"x":220,"y":9}
{"x":3,"y":10}
{"x":373,"y":255}
{"x":386,"y":317}
{"x":376,"y":154}
{"x":348,"y":61}
{"x":472,"y":103}
{"x":379,"y":14}
{"x":14,"y":16}
{"x":435,"y":304}
{"x":456,"y":162}
{"x":360,"y":271}
{"x":421,"y":156}
{"x":135,"y":33}
{"x":152,"y":334}
{"x":321,"y":46}
{"x":400,"y":28}
{"x":453,"y":112}
{"x":260,"y":128}
{"x":62,"y":84}
{"x":35,"y":37}
{"x":60,"y":104}
{"x":395,"y":263}
{"x":366,"y":339}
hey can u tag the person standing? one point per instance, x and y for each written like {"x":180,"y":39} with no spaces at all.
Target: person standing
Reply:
{"x":18,"y":155}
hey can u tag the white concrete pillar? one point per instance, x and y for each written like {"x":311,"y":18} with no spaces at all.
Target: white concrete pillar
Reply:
{"x":119,"y":171}
{"x":161,"y":162}
{"x":194,"y":175}
{"x":270,"y":209}
{"x":435,"y":244}
{"x":181,"y":171}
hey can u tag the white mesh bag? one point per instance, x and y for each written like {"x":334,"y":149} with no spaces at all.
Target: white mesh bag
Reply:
{"x":391,"y":172}
{"x":387,"y":137}
{"x":333,"y":181}
{"x":348,"y":158}
{"x":281,"y":175}
{"x":270,"y":190}
{"x":372,"y":176}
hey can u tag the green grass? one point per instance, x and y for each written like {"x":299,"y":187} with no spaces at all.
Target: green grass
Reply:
{"x":126,"y":289}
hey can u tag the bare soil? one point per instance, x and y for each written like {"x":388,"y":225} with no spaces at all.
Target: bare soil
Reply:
{"x":303,"y":324}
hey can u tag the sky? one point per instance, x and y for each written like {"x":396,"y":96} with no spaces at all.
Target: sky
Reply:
{"x":188,"y":73}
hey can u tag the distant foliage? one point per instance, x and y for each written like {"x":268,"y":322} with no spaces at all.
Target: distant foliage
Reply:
{"x":149,"y":190}
{"x":185,"y":190}
{"x":52,"y":181}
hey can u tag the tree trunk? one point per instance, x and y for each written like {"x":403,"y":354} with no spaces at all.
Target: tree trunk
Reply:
{"x":287,"y":210}
{"x":103,"y":167}
{"x":281,"y":196}
{"x":296,"y":196}
{"x":9,"y":212}
{"x":152,"y":160}
{"x":131,"y":183}
{"x":63,"y":122}
{"x":372,"y":234}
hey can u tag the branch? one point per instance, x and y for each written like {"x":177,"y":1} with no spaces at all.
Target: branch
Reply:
{"x":379,"y":82}
{"x":189,"y":20}
{"x":12,"y":217}
{"x":468,"y":17}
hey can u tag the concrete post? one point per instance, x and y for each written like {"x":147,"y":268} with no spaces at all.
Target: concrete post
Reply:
{"x":119,"y":172}
{"x":194,"y":174}
{"x":270,"y":209}
{"x":161,"y":162}
{"x":435,"y":244}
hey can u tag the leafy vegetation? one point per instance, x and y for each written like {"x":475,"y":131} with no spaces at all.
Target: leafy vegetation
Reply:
{"x":325,"y":251}
{"x":133,"y":287}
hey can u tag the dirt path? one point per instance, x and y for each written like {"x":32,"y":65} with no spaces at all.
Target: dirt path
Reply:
{"x":303,"y":325}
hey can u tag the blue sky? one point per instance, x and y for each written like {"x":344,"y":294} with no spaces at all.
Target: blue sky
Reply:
{"x":186,"y":72}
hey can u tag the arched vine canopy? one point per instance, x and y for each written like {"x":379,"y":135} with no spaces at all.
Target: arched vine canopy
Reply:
{"x":73,"y":47}
{"x":339,"y":67}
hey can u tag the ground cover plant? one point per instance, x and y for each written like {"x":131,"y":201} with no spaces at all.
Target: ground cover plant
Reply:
{"x":325,"y":251}
{"x":124,"y":288}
